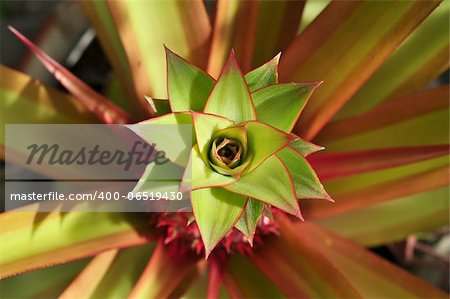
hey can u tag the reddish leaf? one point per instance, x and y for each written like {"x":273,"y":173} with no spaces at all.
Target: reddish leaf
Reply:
{"x":234,"y":28}
{"x":390,"y":190}
{"x":337,"y":165}
{"x":167,"y":267}
{"x":298,"y":268}
{"x":387,"y":114}
{"x":343,"y":46}
{"x":85,"y":283}
{"x":372,"y":276}
{"x":94,"y":102}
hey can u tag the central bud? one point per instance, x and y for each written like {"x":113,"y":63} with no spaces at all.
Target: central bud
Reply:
{"x":227,"y":151}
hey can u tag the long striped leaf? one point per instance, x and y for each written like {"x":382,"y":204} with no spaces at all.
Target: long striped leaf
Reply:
{"x":391,"y":190}
{"x":101,"y":107}
{"x":183,"y":26}
{"x":234,"y":28}
{"x":372,"y":276}
{"x":32,"y":240}
{"x":343,"y":47}
{"x":167,"y":267}
{"x":390,"y":123}
{"x":413,"y":214}
{"x":420,"y":59}
{"x":85,"y":283}
{"x":298,"y":268}
{"x":43,"y":283}
{"x":337,"y":165}
{"x":101,"y":19}
{"x":25,"y":99}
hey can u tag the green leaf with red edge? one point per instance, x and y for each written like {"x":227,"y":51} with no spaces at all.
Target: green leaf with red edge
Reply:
{"x":280,"y":105}
{"x":100,"y":18}
{"x":364,"y":190}
{"x":421,"y":58}
{"x":243,"y":280}
{"x":199,"y":174}
{"x":307,"y":184}
{"x":25,"y":98}
{"x":264,"y":141}
{"x":263,"y":76}
{"x":171,"y":133}
{"x":270,"y":182}
{"x":344,"y":46}
{"x":182,"y":26}
{"x":296,"y":266}
{"x":234,"y":28}
{"x":371,"y":275}
{"x":44,"y":242}
{"x":305,"y":148}
{"x":337,"y":165}
{"x":167,"y":267}
{"x":188,"y":86}
{"x":250,"y":218}
{"x":43,"y":283}
{"x":206,"y":125}
{"x":390,"y":124}
{"x":85,"y":283}
{"x":413,"y":214}
{"x":216,"y":211}
{"x":101,"y":107}
{"x":230,"y":96}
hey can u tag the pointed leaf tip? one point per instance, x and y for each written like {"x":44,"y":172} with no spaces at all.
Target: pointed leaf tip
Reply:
{"x":230,"y":96}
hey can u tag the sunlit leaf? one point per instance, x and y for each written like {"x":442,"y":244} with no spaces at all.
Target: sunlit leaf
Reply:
{"x":263,"y":76}
{"x":276,"y":189}
{"x":216,"y":211}
{"x":343,"y":46}
{"x":205,"y":126}
{"x":250,"y":218}
{"x":188,"y":86}
{"x":305,"y":148}
{"x":306,"y":182}
{"x":171,"y":133}
{"x":263,"y":141}
{"x":280,"y":105}
{"x":230,"y":96}
{"x":200,"y":175}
